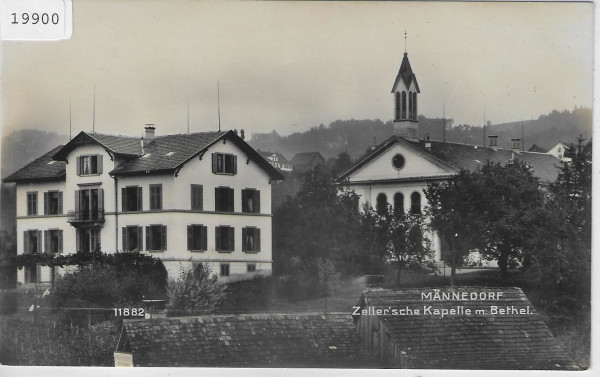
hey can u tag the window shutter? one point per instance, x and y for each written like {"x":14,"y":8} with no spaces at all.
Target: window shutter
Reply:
{"x":203,"y":232}
{"x":244,"y":237}
{"x":101,"y":200}
{"x":148,"y":238}
{"x":140,"y":237}
{"x":189,"y":237}
{"x":257,"y":201}
{"x":78,"y":167}
{"x":77,"y":241}
{"x":257,"y":240}
{"x":244,"y":200}
{"x":124,"y":236}
{"x":77,"y":196}
{"x":234,"y":164}
{"x":193,"y":195}
{"x":46,"y":241}
{"x":214,"y":162}
{"x":230,"y":240}
{"x":164,"y":237}
{"x":123,"y":199}
{"x":139,"y":199}
{"x":218,"y":199}
{"x":60,"y":203}
{"x":26,"y":247}
{"x":60,"y":241}
{"x":218,"y":238}
{"x":100,"y":164}
{"x":230,"y":206}
{"x":46,"y":203}
{"x":39,"y":241}
{"x":200,"y":196}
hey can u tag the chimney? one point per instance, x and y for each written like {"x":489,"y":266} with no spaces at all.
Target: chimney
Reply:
{"x":149,"y":134}
{"x":516,"y":145}
{"x":428,"y":144}
{"x":493,"y":142}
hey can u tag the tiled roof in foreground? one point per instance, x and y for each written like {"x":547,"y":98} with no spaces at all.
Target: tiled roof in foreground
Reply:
{"x":258,"y":340}
{"x":475,"y":341}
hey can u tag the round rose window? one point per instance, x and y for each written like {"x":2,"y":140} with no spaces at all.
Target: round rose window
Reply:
{"x":398,"y":161}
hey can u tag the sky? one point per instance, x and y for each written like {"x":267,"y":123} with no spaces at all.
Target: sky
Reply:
{"x":289,"y":66}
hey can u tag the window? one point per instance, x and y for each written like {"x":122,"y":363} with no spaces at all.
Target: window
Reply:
{"x":89,"y":204}
{"x":196,"y":237}
{"x":403,"y":105}
{"x":31,"y":274}
{"x":156,"y":196}
{"x":224,"y":269}
{"x":398,"y":112}
{"x":32,"y":241}
{"x":156,"y":238}
{"x":251,"y":201}
{"x":251,"y":239}
{"x":197,"y":197}
{"x":32,"y":203}
{"x":224,"y":199}
{"x":415,"y":106}
{"x":398,"y":161}
{"x":410,"y":105}
{"x":53,"y":241}
{"x":224,"y":238}
{"x":398,"y":202}
{"x":88,"y":165}
{"x":415,"y":203}
{"x":88,"y":239}
{"x":132,"y":238}
{"x":251,"y":267}
{"x":224,"y":163}
{"x":131,"y":197}
{"x":53,"y":203}
{"x":382,"y":204}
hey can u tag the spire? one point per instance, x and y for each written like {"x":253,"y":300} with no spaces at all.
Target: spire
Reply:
{"x":406,"y":75}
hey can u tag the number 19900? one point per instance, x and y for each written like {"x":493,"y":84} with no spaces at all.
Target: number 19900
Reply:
{"x":129,"y":312}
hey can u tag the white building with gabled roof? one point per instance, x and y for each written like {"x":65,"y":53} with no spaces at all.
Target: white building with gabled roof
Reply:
{"x":189,"y":198}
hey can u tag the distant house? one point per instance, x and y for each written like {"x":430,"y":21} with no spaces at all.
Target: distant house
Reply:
{"x":257,"y":340}
{"x":307,"y":160}
{"x":501,"y":331}
{"x":536,"y":149}
{"x":277,"y":160}
{"x":558,"y":151}
{"x":186,"y":199}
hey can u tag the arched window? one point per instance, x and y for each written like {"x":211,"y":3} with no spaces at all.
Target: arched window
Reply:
{"x":398,"y":106}
{"x":403,"y":105}
{"x":398,"y":202}
{"x":382,"y":204}
{"x":410,"y":105}
{"x":415,"y":203}
{"x":415,"y":105}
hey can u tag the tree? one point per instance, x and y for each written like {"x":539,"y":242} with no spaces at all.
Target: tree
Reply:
{"x":507,"y":199}
{"x":450,"y":211}
{"x":403,"y":238}
{"x":196,"y":292}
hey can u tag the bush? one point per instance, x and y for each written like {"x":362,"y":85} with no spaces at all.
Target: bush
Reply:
{"x":123,"y":282}
{"x":196,"y":292}
{"x":249,"y":295}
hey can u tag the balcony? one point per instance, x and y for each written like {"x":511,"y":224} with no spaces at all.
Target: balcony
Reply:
{"x":88,"y":218}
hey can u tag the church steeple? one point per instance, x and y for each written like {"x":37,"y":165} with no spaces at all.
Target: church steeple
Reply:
{"x":405,"y":92}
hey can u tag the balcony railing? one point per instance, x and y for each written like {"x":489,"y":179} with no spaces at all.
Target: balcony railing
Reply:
{"x":86,"y":216}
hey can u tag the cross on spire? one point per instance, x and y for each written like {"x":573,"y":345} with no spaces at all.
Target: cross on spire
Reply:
{"x":405,"y":41}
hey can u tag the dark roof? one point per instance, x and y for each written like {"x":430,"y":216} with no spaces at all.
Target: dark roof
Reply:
{"x":470,"y":157}
{"x":280,"y":157}
{"x":405,"y":74}
{"x":156,"y":156}
{"x":40,"y":169}
{"x":305,"y":158}
{"x":258,"y":340}
{"x":456,"y":156}
{"x":535,"y":148}
{"x":475,"y":341}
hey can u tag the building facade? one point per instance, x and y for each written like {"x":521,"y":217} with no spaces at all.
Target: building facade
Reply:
{"x":192,"y":198}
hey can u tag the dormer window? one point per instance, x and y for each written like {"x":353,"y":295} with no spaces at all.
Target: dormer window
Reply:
{"x":89,"y":165}
{"x":224,"y":163}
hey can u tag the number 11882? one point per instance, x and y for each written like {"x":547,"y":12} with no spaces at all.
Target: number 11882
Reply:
{"x":129,"y":312}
